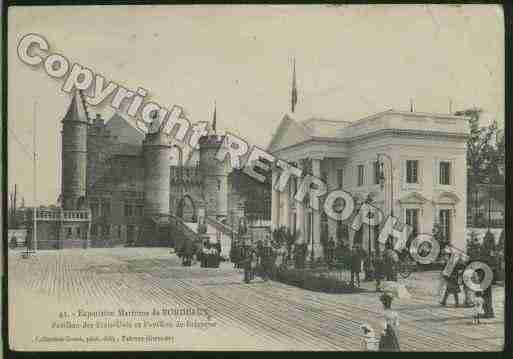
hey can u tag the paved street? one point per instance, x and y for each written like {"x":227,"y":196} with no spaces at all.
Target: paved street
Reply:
{"x":262,"y":315}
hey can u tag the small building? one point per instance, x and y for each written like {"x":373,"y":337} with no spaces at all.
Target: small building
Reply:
{"x":56,"y":228}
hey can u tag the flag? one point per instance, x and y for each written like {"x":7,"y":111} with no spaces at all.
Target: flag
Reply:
{"x":294,"y":88}
{"x":214,"y":119}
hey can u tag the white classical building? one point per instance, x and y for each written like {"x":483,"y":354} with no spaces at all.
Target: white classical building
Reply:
{"x":427,"y":184}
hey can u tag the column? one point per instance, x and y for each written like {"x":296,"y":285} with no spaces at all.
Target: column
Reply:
{"x":316,"y":171}
{"x":275,"y":202}
{"x":300,"y":212}
{"x":286,"y":206}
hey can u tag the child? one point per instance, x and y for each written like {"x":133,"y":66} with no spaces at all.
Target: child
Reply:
{"x":478,"y":307}
{"x":369,"y":341}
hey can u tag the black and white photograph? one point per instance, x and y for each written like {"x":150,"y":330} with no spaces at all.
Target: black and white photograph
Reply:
{"x":255,"y":178}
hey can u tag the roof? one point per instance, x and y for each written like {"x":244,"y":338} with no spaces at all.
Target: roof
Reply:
{"x":320,"y":127}
{"x":76,"y":110}
{"x":123,"y":131}
{"x":291,"y":132}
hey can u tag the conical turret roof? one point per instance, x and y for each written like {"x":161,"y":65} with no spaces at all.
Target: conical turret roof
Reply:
{"x":76,"y":110}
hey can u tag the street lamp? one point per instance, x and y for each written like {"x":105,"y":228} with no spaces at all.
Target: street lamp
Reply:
{"x":311,"y":230}
{"x":382,"y":179}
{"x":368,"y":200}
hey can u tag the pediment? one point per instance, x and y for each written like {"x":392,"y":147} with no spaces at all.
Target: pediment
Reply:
{"x":289,"y":132}
{"x":447,"y":198}
{"x":413,"y":198}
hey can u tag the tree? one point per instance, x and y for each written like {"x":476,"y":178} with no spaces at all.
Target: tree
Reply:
{"x":485,"y":149}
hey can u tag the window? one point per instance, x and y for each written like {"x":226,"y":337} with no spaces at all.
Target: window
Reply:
{"x":124,"y":170}
{"x":94,"y":230}
{"x":139,"y":210}
{"x":412,"y":171}
{"x":340,"y":178}
{"x":361,"y":172}
{"x":106,"y":229}
{"x":412,"y":219}
{"x":119,"y":231}
{"x":128,"y":210}
{"x":445,"y":173}
{"x":106,"y":209}
{"x":78,"y":232}
{"x":377,"y":172}
{"x":131,"y":178}
{"x":94,"y":209}
{"x":69,"y":232}
{"x":445,"y":224}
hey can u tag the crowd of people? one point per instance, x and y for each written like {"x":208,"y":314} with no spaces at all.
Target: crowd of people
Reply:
{"x":206,"y":253}
{"x":255,"y":260}
{"x":262,"y":259}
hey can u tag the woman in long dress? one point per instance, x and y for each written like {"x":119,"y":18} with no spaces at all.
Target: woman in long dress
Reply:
{"x":390,"y":337}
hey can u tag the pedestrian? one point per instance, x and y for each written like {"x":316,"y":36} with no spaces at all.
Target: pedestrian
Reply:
{"x":187,"y":253}
{"x":218,"y":247}
{"x":266,"y":260}
{"x":378,"y":270}
{"x":253,"y":263}
{"x":390,"y":260}
{"x":469,"y":294}
{"x":452,"y":287}
{"x":246,"y":264}
{"x":204,"y":254}
{"x":369,"y":340}
{"x":331,"y":251}
{"x":478,"y":307}
{"x":488,"y":299}
{"x":356,"y":265}
{"x":488,"y":257}
{"x":389,"y":340}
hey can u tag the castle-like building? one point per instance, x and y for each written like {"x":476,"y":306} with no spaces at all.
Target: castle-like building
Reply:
{"x":120,"y":186}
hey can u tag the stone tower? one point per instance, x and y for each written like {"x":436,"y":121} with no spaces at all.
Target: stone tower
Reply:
{"x":214,"y":176}
{"x":74,"y":153}
{"x":157,"y":174}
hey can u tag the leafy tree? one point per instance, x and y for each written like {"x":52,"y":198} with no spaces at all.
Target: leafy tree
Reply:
{"x":485,"y":150}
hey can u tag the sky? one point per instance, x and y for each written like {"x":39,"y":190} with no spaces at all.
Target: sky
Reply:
{"x":351,"y":61}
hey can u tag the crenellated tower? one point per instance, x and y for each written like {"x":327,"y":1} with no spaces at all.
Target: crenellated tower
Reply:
{"x":74,"y":153}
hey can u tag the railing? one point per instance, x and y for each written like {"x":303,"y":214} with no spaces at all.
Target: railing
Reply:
{"x":60,"y":215}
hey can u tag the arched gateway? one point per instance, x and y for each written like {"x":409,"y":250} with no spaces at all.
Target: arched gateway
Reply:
{"x":186,"y":209}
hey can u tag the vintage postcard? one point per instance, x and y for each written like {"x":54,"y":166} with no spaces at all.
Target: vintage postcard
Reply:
{"x":289,"y":177}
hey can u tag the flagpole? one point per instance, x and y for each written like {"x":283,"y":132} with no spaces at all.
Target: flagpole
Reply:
{"x":35,"y":179}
